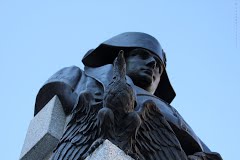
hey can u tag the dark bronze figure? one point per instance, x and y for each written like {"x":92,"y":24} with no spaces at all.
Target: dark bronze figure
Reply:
{"x":127,"y":102}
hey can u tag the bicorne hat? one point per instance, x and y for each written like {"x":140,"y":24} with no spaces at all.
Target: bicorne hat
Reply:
{"x":107,"y":51}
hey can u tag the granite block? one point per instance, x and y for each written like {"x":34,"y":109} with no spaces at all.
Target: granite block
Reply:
{"x":108,"y":151}
{"x":44,"y":131}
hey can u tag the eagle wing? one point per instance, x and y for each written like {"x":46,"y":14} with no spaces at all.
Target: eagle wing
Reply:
{"x":155,"y":138}
{"x":81,"y":131}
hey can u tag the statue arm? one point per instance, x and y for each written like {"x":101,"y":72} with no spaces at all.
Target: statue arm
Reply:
{"x":62,"y":84}
{"x":194,"y":147}
{"x":206,"y":153}
{"x":205,"y":156}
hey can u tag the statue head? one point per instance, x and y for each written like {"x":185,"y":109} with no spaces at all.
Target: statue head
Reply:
{"x":144,"y":68}
{"x":152,"y":63}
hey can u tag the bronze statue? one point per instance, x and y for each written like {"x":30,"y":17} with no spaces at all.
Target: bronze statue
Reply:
{"x":123,"y":95}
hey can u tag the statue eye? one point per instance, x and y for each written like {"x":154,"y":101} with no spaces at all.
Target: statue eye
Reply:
{"x":144,"y":55}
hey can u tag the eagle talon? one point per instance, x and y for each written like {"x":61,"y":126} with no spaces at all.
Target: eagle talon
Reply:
{"x":93,"y":147}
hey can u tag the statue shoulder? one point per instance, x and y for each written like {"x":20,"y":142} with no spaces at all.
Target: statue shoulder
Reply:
{"x":62,"y":84}
{"x":68,"y":75}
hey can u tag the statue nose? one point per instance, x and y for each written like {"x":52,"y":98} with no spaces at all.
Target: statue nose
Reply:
{"x":151,"y":62}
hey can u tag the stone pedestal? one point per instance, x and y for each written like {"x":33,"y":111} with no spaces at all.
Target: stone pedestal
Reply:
{"x":108,"y":151}
{"x":44,"y":131}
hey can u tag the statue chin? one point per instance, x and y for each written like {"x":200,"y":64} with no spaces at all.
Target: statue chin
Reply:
{"x":143,"y":82}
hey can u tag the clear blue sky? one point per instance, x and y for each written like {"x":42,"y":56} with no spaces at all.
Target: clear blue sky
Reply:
{"x":37,"y":38}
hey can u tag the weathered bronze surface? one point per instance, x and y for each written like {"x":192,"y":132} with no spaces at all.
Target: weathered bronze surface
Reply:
{"x":123,"y":95}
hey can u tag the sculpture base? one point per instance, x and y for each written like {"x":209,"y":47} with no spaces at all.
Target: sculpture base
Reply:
{"x":108,"y":151}
{"x":44,"y":132}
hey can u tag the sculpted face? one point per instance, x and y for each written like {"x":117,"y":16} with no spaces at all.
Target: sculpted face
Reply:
{"x":144,"y":68}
